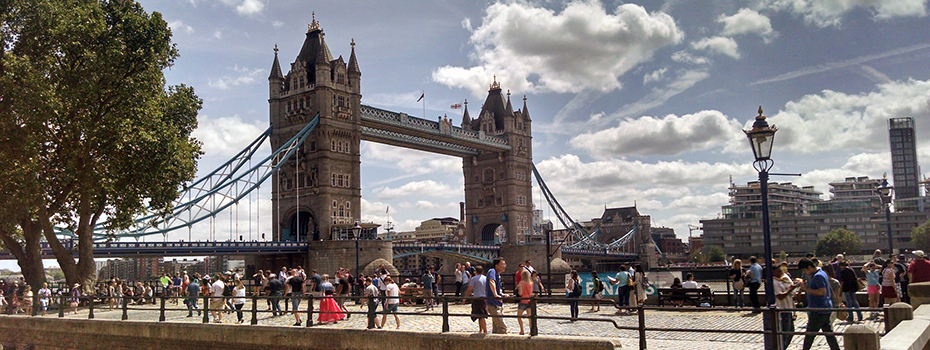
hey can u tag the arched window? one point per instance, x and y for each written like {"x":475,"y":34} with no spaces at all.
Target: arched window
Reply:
{"x":488,"y":175}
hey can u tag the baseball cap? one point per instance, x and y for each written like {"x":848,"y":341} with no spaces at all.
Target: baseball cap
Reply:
{"x":920,"y":254}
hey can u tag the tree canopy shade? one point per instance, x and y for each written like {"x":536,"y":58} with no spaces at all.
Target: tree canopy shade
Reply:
{"x":838,"y":241}
{"x":920,"y":237}
{"x":89,"y":131}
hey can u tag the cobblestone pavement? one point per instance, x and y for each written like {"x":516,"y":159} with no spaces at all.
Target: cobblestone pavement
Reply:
{"x":601,"y":324}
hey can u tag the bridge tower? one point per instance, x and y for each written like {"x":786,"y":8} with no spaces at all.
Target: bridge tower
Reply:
{"x":317,"y":194}
{"x":498,"y":185}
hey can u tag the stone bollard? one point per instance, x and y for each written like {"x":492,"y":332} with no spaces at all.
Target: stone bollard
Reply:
{"x":919,"y":293}
{"x":861,"y":337}
{"x":898,"y":312}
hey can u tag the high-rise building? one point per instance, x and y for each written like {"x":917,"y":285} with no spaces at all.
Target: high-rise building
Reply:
{"x":904,"y":164}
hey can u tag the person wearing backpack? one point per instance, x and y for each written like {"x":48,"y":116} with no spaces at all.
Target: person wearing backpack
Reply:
{"x":598,"y":292}
{"x":573,"y":286}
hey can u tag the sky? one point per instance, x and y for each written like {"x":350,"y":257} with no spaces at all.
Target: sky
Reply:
{"x":637,"y":102}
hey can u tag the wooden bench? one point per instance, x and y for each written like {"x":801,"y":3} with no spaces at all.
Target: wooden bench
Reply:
{"x":696,"y":296}
{"x":407,"y":294}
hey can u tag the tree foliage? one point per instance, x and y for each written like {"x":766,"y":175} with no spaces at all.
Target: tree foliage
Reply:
{"x":838,"y":241}
{"x":920,"y":237}
{"x":89,"y":131}
{"x":709,"y":254}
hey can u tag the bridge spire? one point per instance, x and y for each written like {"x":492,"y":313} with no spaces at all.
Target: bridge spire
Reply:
{"x":526,"y":112}
{"x":466,"y":119}
{"x":509,"y":109}
{"x":353,"y":62}
{"x":276,"y":67}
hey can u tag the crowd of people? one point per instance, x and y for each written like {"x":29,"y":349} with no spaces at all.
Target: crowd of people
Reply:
{"x":16,"y":296}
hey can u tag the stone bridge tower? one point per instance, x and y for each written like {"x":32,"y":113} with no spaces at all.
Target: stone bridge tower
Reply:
{"x":317,"y":194}
{"x":499,"y":185}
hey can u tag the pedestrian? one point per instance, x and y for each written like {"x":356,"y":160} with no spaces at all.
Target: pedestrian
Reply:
{"x":900,"y":266}
{"x":315,"y":281}
{"x":258,"y":280}
{"x":239,"y":299}
{"x":819,"y":296}
{"x":877,"y":257}
{"x":874,"y":289}
{"x":427,"y":279}
{"x":640,"y":284}
{"x":784,"y":299}
{"x":538,"y":288}
{"x":478,"y":287}
{"x":193,"y":291}
{"x":736,"y":278}
{"x":459,"y":278}
{"x":889,"y":292}
{"x":329,"y":309}
{"x":294,"y":286}
{"x":849,"y":285}
{"x":392,"y":300}
{"x":44,"y":297}
{"x":343,"y":286}
{"x":275,"y":287}
{"x":75,"y":297}
{"x":598,"y":292}
{"x":573,"y":286}
{"x":525,"y":290}
{"x":217,"y":303}
{"x":495,"y":296}
{"x":371,"y":294}
{"x":622,"y":281}
{"x":919,"y":269}
{"x":754,"y":276}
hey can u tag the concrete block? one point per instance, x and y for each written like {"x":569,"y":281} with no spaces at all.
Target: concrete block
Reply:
{"x":908,"y":335}
{"x":922,"y":312}
{"x":919,"y":293}
{"x":861,"y":337}
{"x":897,"y":313}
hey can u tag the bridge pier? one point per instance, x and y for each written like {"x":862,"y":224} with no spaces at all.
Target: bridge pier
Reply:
{"x":328,"y":256}
{"x":535,"y":253}
{"x":273,"y":262}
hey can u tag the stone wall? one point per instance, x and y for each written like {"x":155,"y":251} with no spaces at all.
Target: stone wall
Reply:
{"x":327,"y":256}
{"x":46,"y":333}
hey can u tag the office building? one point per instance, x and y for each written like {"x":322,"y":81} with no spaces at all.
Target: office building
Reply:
{"x":904,"y":164}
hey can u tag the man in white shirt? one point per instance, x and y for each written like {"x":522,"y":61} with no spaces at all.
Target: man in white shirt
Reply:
{"x":689,"y":282}
{"x":216,"y":303}
{"x":392,"y":300}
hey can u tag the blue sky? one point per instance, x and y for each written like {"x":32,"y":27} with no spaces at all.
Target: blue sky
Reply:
{"x":632,"y":102}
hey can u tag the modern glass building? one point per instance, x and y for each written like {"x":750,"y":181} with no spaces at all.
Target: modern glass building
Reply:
{"x":904,"y":164}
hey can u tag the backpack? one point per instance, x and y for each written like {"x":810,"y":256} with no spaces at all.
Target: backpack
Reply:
{"x":598,"y":285}
{"x":576,"y":289}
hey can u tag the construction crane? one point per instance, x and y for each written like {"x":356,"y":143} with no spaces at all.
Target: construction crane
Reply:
{"x":692,"y":228}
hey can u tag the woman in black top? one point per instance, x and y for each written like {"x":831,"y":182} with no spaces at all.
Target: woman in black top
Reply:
{"x":736,"y":278}
{"x":849,"y":284}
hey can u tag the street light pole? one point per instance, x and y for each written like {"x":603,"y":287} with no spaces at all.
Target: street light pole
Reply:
{"x":885,"y":192}
{"x":356,"y":230}
{"x":761,"y":138}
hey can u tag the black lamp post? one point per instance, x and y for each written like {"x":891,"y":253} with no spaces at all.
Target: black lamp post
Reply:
{"x":356,"y":231}
{"x":761,"y":138}
{"x":885,"y":192}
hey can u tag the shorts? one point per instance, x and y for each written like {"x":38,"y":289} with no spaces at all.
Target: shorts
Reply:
{"x":889,"y":292}
{"x":523,"y":307}
{"x":873,"y":289}
{"x":479,"y":309}
{"x":391,"y":309}
{"x":217,"y":304}
{"x":295,"y":301}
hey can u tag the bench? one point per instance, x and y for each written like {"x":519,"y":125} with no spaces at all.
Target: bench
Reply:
{"x":694,"y":296}
{"x":408,"y":293}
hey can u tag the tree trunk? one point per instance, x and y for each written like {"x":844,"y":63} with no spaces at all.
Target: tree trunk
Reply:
{"x":28,"y":256}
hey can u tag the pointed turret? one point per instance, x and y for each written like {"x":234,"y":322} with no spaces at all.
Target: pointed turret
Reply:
{"x":466,"y":119}
{"x":526,"y":112}
{"x":353,"y":62}
{"x":494,"y":105}
{"x":508,"y":111}
{"x":276,"y":67}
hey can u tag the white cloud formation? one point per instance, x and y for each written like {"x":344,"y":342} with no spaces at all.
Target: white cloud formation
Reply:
{"x":684,"y":56}
{"x":218,"y":34}
{"x":746,"y":21}
{"x":655,"y":76}
{"x":842,"y":64}
{"x":533,"y":49}
{"x":225,"y":136}
{"x":419,"y":188}
{"x":830,"y":13}
{"x":246,"y":7}
{"x":718,"y":44}
{"x":177,"y":26}
{"x":277,"y":24}
{"x":245,"y":76}
{"x":836,"y":121}
{"x":409,"y":162}
{"x":670,"y":135}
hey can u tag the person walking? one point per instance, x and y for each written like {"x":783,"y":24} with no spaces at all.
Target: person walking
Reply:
{"x":371,"y":293}
{"x":754,"y":275}
{"x":919,"y":269}
{"x":478,"y":287}
{"x":640,"y":284}
{"x":819,"y":296}
{"x":216,"y":303}
{"x":459,"y":278}
{"x":622,"y":281}
{"x":239,"y":299}
{"x":598,"y":292}
{"x":736,"y":278}
{"x":275,"y":287}
{"x":525,"y":290}
{"x":849,"y":285}
{"x":427,"y":279}
{"x":784,"y":299}
{"x":889,"y":292}
{"x":294,"y":286}
{"x":392,"y":300}
{"x":573,"y":286}
{"x":193,"y":291}
{"x":495,"y":296}
{"x":329,"y":308}
{"x":45,"y":295}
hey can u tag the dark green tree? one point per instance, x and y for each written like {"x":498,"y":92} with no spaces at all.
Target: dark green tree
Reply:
{"x":838,"y":241}
{"x":715,"y":254}
{"x":920,"y":236}
{"x":89,"y":131}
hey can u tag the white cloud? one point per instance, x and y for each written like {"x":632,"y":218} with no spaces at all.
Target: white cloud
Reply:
{"x":225,"y":136}
{"x":671,"y":135}
{"x":277,"y":24}
{"x":419,"y":188}
{"x":683,"y":81}
{"x":409,"y":162}
{"x":218,"y":35}
{"x":655,"y":76}
{"x":533,"y":49}
{"x":246,"y":76}
{"x":746,"y":21}
{"x":830,"y":13}
{"x":246,"y":7}
{"x":177,"y":26}
{"x":718,"y":44}
{"x":466,"y":23}
{"x":833,"y":121}
{"x":841,"y":64}
{"x":686,"y":57}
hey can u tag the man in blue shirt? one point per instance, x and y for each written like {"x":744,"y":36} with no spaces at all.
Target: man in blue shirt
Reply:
{"x":495,"y":293}
{"x":622,"y":280}
{"x":755,"y":281}
{"x":819,"y":295}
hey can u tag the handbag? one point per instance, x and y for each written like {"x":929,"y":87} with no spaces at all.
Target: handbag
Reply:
{"x":738,"y":285}
{"x":861,"y":282}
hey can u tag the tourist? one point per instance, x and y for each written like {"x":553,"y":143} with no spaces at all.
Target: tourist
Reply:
{"x":689,"y":282}
{"x":427,"y":279}
{"x":872,"y":278}
{"x":216,"y":303}
{"x":294,"y":286}
{"x":819,"y":296}
{"x":371,"y":294}
{"x":784,"y":299}
{"x":598,"y":292}
{"x":835,"y":263}
{"x":275,"y":287}
{"x":678,"y":299}
{"x":736,"y":277}
{"x":849,"y":285}
{"x":239,"y":299}
{"x":516,"y":276}
{"x":343,"y":286}
{"x":525,"y":291}
{"x":877,"y":257}
{"x":640,"y":284}
{"x":44,"y":297}
{"x":282,"y":275}
{"x":329,"y":309}
{"x":538,"y":288}
{"x":193,"y":291}
{"x":900,"y":267}
{"x":495,"y":296}
{"x":836,"y":291}
{"x":573,"y":286}
{"x":469,"y":268}
{"x":478,"y":287}
{"x":392,"y":299}
{"x":459,"y":278}
{"x":315,"y":281}
{"x":889,"y":293}
{"x":622,"y":280}
{"x":27,"y":299}
{"x":754,"y":277}
{"x":258,"y":280}
{"x":919,"y":269}
{"x":529,"y":266}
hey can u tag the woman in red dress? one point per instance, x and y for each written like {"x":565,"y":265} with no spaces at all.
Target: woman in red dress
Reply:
{"x":329,"y":309}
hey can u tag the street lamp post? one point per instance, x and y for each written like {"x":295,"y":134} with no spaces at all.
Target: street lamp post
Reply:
{"x":356,"y":231}
{"x":761,"y":138}
{"x":885,"y":192}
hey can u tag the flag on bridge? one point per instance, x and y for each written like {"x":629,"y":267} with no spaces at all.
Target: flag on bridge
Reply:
{"x":456,"y":106}
{"x":421,"y":96}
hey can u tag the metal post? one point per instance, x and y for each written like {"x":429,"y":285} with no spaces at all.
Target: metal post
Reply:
{"x":125,"y":308}
{"x":161,"y":310}
{"x":61,"y":306}
{"x":310,"y":310}
{"x":770,"y":341}
{"x":642,"y":326}
{"x":445,"y":313}
{"x":206,"y":310}
{"x":90,"y":308}
{"x":356,"y":268}
{"x":254,"y":310}
{"x":534,"y":327}
{"x":726,"y":274}
{"x":771,"y":317}
{"x":888,"y":227}
{"x":548,"y":263}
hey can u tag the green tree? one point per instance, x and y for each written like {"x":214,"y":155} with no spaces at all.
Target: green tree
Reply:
{"x":920,"y":236}
{"x":89,"y":131}
{"x":715,"y":254}
{"x":838,"y":241}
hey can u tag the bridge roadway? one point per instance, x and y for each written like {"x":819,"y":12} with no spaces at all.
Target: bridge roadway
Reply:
{"x":484,"y":253}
